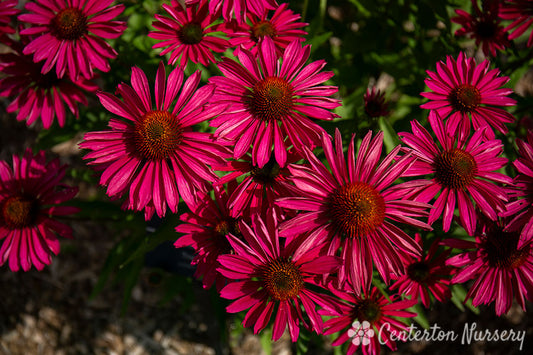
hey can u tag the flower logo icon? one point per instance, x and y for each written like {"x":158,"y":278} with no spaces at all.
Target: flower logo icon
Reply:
{"x":361,"y":333}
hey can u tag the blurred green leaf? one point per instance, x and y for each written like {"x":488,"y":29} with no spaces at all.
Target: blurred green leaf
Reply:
{"x":302,"y":345}
{"x":362,"y":7}
{"x":266,"y":340}
{"x":149,"y":241}
{"x":129,"y":277}
{"x":318,"y":40}
{"x":421,"y":317}
{"x":458,"y":298}
{"x":390,"y":137}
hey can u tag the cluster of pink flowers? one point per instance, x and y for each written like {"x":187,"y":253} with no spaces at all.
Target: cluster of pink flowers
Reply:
{"x":31,"y":197}
{"x":286,"y":235}
{"x":60,"y":45}
{"x":484,"y":24}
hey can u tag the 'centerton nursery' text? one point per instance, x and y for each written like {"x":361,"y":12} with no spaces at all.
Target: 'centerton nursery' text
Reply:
{"x":470,"y":333}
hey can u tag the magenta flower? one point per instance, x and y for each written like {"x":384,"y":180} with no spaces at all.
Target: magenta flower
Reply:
{"x":283,"y":28}
{"x":240,"y":8}
{"x":154,"y":155}
{"x":205,"y":229}
{"x":483,"y":26}
{"x":7,"y":12}
{"x":352,"y":209}
{"x":272,"y":103}
{"x":500,"y":268}
{"x":260,"y":187}
{"x":269,"y":278}
{"x":353,"y":310}
{"x":189,"y":33}
{"x":375,"y":104}
{"x":520,"y":208}
{"x":463,"y":90}
{"x":38,"y":95}
{"x":425,"y":276}
{"x":521,"y":13}
{"x":461,"y":170}
{"x":30,"y":198}
{"x":70,"y":35}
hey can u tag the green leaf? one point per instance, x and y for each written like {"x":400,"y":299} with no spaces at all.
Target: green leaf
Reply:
{"x":113,"y":260}
{"x":338,"y":351}
{"x":361,"y":8}
{"x":174,"y":285}
{"x":266,"y":340}
{"x":458,"y":298}
{"x":516,"y":75}
{"x":125,"y":274}
{"x":302,"y":345}
{"x":318,"y":39}
{"x":390,"y":137}
{"x":143,"y":43}
{"x":151,"y":240}
{"x":469,"y":305}
{"x":129,"y":277}
{"x":219,"y":306}
{"x":438,"y":8}
{"x":151,"y":6}
{"x":421,"y":317}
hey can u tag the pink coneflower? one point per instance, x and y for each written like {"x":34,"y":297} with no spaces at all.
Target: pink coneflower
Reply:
{"x":260,"y":186}
{"x":462,"y":169}
{"x":271,"y":279}
{"x":70,"y":35}
{"x":375,"y":104}
{"x":483,"y":26}
{"x":271,"y":101}
{"x":520,"y":209}
{"x":500,"y":268}
{"x":30,"y":198}
{"x":7,"y":12}
{"x":425,"y":276}
{"x":521,"y":13}
{"x":283,"y":27}
{"x":38,"y":95}
{"x":154,"y":155}
{"x":366,"y":321}
{"x":352,"y":209}
{"x":464,"y":90}
{"x":205,"y":229}
{"x":189,"y":33}
{"x":241,"y":8}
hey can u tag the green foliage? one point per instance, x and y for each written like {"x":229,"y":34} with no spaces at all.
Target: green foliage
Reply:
{"x":126,"y":259}
{"x":266,"y":340}
{"x":421,"y":317}
{"x":459,"y":299}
